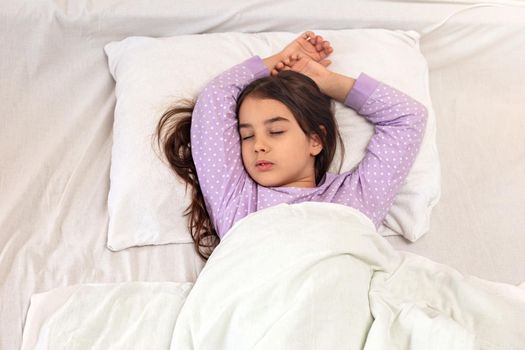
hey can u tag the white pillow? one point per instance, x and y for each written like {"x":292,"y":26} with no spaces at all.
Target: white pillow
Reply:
{"x":146,"y":200}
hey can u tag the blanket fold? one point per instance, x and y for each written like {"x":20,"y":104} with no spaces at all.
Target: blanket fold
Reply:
{"x":311,"y":275}
{"x":318,"y":276}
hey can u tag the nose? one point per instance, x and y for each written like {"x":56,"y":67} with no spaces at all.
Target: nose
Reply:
{"x":261,"y":146}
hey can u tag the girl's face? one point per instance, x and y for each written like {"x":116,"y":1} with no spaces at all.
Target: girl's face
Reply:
{"x":269,"y":132}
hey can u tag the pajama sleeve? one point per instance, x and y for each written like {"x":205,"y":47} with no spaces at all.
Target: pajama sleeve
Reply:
{"x":400,"y":123}
{"x":215,"y":141}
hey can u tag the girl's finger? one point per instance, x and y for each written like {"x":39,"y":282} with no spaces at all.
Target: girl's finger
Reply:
{"x":325,"y":62}
{"x":308,"y":35}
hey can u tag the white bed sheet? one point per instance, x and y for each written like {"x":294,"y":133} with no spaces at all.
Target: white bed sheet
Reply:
{"x":57,"y":116}
{"x":477,"y":86}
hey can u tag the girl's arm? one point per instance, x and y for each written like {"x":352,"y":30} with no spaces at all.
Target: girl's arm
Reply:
{"x":400,"y":123}
{"x":271,"y":62}
{"x":337,"y":86}
{"x":334,"y":85}
{"x":215,"y":143}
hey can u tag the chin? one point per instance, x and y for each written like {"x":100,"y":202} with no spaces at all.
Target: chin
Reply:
{"x":265,"y":182}
{"x":264,"y":179}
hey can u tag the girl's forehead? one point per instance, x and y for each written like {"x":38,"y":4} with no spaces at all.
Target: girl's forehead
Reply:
{"x":258,"y":101}
{"x":259,"y":108}
{"x":266,"y":122}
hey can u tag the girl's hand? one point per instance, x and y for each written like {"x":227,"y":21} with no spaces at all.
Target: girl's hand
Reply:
{"x":301,"y":63}
{"x":307,"y":44}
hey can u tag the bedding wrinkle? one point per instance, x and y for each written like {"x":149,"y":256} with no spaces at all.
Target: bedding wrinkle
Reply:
{"x":68,"y":152}
{"x":44,"y":85}
{"x":445,"y":290}
{"x":407,"y":301}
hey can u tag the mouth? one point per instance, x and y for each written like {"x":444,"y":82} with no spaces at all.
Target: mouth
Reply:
{"x":264,"y":166}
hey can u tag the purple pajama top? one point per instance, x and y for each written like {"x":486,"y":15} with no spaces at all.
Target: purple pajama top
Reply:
{"x":231,"y":194}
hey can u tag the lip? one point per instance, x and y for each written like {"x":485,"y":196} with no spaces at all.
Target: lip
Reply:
{"x":257,"y":163}
{"x":264,"y":166}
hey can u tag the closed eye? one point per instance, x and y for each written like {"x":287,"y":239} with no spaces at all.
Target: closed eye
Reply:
{"x":273,"y":133}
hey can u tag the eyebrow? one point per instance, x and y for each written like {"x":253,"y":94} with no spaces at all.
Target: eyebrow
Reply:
{"x":269,"y":121}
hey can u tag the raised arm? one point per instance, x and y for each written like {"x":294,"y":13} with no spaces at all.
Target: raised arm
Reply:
{"x":400,"y":123}
{"x":215,"y":144}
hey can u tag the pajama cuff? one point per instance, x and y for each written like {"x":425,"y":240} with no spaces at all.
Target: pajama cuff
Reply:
{"x":363,"y":87}
{"x":256,"y":65}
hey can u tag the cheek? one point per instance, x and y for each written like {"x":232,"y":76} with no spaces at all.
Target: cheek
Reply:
{"x":244,"y":154}
{"x":294,"y":145}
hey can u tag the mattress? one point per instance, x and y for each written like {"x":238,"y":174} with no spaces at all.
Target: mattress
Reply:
{"x":57,"y":110}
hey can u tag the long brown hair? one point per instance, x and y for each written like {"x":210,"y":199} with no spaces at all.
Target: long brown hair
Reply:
{"x":310,"y":107}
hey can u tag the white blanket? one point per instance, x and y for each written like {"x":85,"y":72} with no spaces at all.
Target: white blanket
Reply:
{"x":302,"y":276}
{"x":317,"y":276}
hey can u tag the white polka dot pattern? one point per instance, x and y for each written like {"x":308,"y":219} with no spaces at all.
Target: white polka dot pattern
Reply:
{"x":230,"y":193}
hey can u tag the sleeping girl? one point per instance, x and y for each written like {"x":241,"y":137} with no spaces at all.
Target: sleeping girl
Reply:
{"x":264,"y":132}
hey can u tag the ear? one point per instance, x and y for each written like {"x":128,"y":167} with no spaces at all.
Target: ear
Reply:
{"x":316,"y":146}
